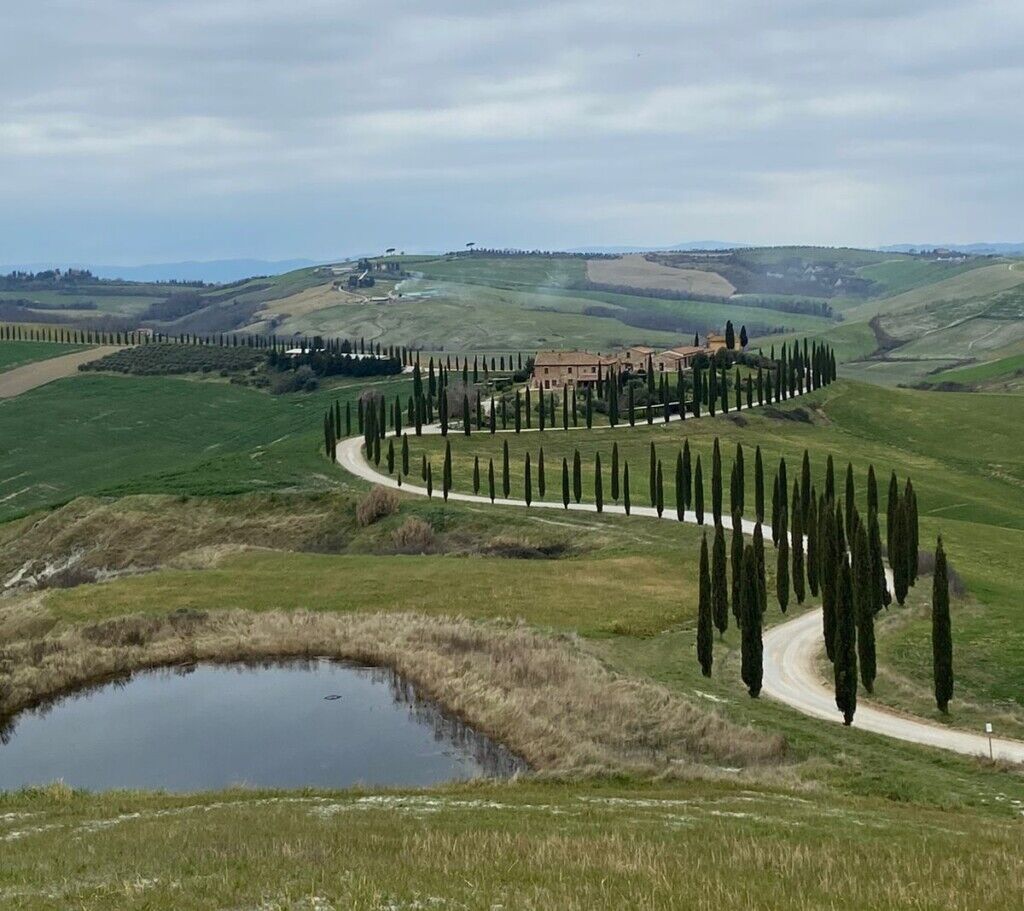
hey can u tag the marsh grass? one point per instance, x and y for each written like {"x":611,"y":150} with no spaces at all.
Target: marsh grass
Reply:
{"x":543,"y":698}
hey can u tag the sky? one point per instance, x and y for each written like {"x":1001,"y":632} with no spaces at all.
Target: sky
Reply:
{"x":151,"y":130}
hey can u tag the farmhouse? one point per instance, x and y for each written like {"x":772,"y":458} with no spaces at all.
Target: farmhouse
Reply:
{"x":555,"y":369}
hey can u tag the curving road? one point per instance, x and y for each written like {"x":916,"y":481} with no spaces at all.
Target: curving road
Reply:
{"x":791,"y":649}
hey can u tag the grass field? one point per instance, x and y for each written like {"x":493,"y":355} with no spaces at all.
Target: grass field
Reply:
{"x":119,"y":435}
{"x":1003,"y":375}
{"x":14,"y":353}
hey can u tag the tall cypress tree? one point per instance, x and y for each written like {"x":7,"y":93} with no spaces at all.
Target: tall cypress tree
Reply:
{"x":719,"y":583}
{"x":741,"y":481}
{"x":864,"y":609}
{"x":827,"y":569}
{"x":490,"y":478}
{"x":716,"y":482}
{"x":577,"y":476}
{"x":430,"y":480}
{"x":898,"y":555}
{"x":446,"y":469}
{"x":811,"y":531}
{"x":797,"y":545}
{"x":880,"y":589}
{"x":751,"y":645}
{"x":625,"y":487}
{"x":775,"y":510}
{"x":405,"y":454}
{"x":528,"y":481}
{"x":758,"y":485}
{"x":830,"y":479}
{"x":782,"y":566}
{"x":598,"y":483}
{"x":845,"y":648}
{"x":705,"y":642}
{"x":872,"y":490}
{"x":761,"y":577}
{"x":391,"y":455}
{"x":911,"y":531}
{"x":565,"y":484}
{"x":615,"y":472}
{"x":540,"y":473}
{"x":736,"y":559}
{"x":851,"y":501}
{"x":698,"y":492}
{"x":942,"y":632}
{"x":805,"y":487}
{"x":892,"y":502}
{"x":476,"y":475}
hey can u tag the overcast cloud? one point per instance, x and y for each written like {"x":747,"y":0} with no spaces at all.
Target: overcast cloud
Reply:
{"x":139,"y":130}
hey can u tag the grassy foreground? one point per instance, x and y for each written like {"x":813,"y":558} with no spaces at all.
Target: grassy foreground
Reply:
{"x":517,"y":846}
{"x":15,"y":353}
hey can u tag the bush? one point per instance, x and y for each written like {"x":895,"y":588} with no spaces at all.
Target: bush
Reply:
{"x":301,"y":380}
{"x":167,"y":359}
{"x":377,"y":504}
{"x":414,"y":536}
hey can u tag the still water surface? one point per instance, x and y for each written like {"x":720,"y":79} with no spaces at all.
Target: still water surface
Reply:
{"x":317,"y":723}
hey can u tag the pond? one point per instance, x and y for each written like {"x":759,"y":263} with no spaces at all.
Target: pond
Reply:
{"x":317,"y":723}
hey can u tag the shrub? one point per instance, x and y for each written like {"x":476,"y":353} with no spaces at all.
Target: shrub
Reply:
{"x":413,"y":536}
{"x":377,"y":504}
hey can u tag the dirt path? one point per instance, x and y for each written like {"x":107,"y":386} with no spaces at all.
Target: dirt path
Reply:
{"x":39,"y":373}
{"x":791,"y":649}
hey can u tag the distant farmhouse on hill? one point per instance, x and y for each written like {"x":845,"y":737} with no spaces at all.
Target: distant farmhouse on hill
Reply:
{"x":555,"y":369}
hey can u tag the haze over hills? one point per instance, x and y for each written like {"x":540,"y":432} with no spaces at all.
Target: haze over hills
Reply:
{"x":219,"y":271}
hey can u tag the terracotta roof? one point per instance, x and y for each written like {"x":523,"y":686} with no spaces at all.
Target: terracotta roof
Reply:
{"x":684,"y":351}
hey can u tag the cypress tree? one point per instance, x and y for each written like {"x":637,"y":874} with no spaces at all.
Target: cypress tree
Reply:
{"x":528,"y":408}
{"x":759,"y":554}
{"x":540,"y":473}
{"x":880,"y":589}
{"x":942,"y":632}
{"x":864,"y":609}
{"x":775,"y":510}
{"x":898,"y":555}
{"x":827,"y":570}
{"x":783,"y":489}
{"x":719,"y":583}
{"x":391,"y":455}
{"x":872,"y":490}
{"x":565,"y":484}
{"x":830,"y":479}
{"x":405,"y":454}
{"x":851,"y":501}
{"x":687,"y":476}
{"x":751,"y":646}
{"x":736,"y":555}
{"x":660,"y":492}
{"x":805,"y":487}
{"x":492,"y":424}
{"x":565,"y":405}
{"x":528,"y":481}
{"x":680,"y":507}
{"x":577,"y":476}
{"x":912,"y":532}
{"x":423,"y":467}
{"x":698,"y":492}
{"x":741,"y":482}
{"x":782,"y":566}
{"x":705,"y":642}
{"x":716,"y":482}
{"x":625,"y":486}
{"x":506,"y":480}
{"x":598,"y":484}
{"x":376,"y":449}
{"x":615,"y":472}
{"x":758,"y":485}
{"x":811,"y":531}
{"x":798,"y":545}
{"x":430,"y":480}
{"x":892,"y":504}
{"x":652,"y":475}
{"x":476,"y":474}
{"x":629,"y":404}
{"x":845,"y":648}
{"x":518,"y":424}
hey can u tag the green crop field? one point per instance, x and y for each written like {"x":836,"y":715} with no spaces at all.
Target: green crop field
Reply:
{"x":14,"y":353}
{"x":118,"y":435}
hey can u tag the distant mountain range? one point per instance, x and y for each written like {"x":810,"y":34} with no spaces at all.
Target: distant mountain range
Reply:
{"x":976,"y":249}
{"x":216,"y":270}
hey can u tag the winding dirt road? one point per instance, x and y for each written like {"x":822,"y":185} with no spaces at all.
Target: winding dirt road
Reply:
{"x":39,"y":373}
{"x":791,"y":649}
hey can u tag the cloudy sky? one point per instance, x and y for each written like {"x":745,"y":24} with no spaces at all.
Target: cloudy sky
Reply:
{"x":142,"y":130}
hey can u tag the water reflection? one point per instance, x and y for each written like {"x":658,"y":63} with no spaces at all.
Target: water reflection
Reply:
{"x":316,"y":722}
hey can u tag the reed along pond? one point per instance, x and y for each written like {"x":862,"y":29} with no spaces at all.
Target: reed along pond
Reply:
{"x":290,"y":724}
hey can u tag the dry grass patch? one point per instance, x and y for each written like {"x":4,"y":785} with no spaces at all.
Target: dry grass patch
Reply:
{"x":637,"y":272}
{"x":541,"y":696}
